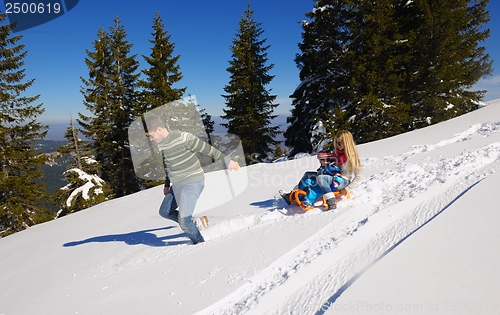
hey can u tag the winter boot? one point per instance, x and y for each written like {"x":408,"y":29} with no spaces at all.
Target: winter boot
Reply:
{"x":201,"y":223}
{"x":285,"y":196}
{"x":330,"y":201}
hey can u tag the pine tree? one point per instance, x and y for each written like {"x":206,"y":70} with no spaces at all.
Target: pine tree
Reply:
{"x":76,"y":148}
{"x":249,"y":106}
{"x":377,"y":61}
{"x":447,"y":59}
{"x":184,"y":115}
{"x":278,"y":152}
{"x":85,"y":188}
{"x":208,"y":123}
{"x":163,"y":72}
{"x":380,"y":68}
{"x":324,"y":73}
{"x":19,"y":131}
{"x":111,"y":96}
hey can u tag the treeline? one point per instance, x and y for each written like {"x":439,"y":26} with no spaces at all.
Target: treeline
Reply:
{"x":115,"y":92}
{"x":381,"y":68}
{"x":377,"y":68}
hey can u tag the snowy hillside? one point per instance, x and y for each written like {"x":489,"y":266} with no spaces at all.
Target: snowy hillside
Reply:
{"x":419,"y":236}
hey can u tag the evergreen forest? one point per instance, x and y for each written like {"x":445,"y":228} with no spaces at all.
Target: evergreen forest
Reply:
{"x":375,"y":68}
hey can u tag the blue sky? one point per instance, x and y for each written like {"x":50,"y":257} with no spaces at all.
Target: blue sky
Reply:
{"x":202,"y":32}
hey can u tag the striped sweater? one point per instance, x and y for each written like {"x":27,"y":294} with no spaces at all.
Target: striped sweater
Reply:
{"x":179,"y":154}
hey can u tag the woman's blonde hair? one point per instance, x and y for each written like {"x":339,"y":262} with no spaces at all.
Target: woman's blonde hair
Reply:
{"x":349,"y":148}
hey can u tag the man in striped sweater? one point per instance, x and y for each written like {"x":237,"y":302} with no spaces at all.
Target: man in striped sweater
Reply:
{"x":184,"y":171}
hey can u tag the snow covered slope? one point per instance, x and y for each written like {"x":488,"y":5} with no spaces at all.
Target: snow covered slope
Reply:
{"x":413,"y":214}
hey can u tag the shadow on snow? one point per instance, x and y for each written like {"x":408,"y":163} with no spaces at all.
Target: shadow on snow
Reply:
{"x":135,"y":238}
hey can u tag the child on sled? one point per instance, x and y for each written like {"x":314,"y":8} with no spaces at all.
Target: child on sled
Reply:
{"x":309,"y":190}
{"x":329,"y":182}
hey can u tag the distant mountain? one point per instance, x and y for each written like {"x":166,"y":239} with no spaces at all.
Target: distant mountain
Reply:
{"x":48,"y":146}
{"x":56,"y":131}
{"x":278,"y":121}
{"x":53,"y":172}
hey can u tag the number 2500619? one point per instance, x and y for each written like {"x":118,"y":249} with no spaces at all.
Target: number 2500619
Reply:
{"x":32,"y":8}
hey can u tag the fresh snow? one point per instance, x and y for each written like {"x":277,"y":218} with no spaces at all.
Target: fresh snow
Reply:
{"x":418,"y":236}
{"x":90,"y":182}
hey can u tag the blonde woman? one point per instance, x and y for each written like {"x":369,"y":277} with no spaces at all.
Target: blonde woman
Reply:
{"x":347,"y":158}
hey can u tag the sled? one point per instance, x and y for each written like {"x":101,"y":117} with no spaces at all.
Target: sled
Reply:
{"x":297,"y":195}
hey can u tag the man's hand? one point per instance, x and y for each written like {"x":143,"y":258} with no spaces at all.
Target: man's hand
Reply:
{"x":166,"y":190}
{"x":233,"y":166}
